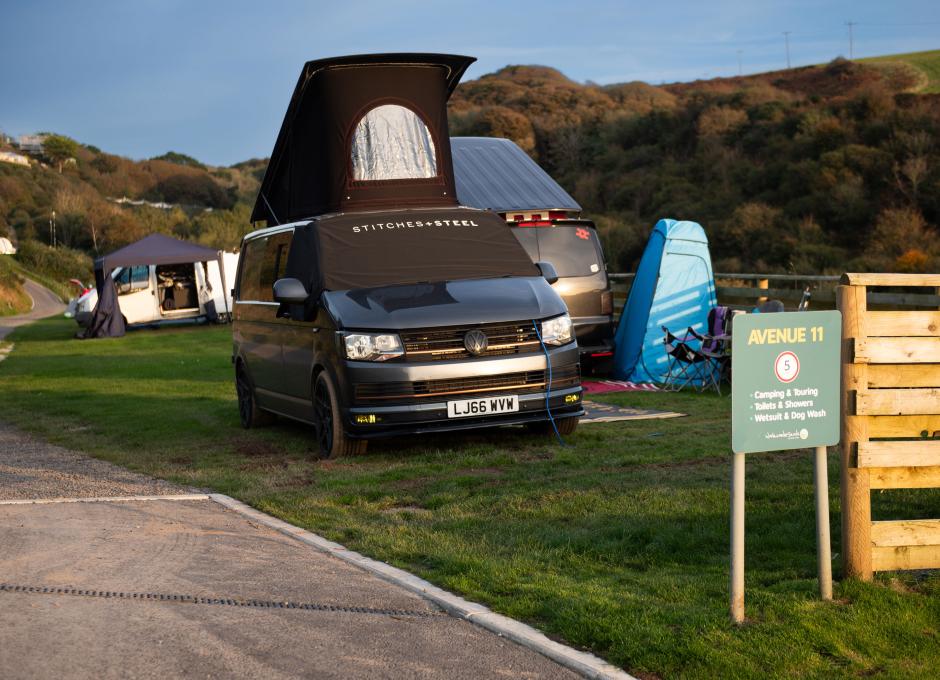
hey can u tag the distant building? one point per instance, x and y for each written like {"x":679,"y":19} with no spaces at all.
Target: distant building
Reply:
{"x":31,"y":143}
{"x":6,"y":248}
{"x":15,"y":158}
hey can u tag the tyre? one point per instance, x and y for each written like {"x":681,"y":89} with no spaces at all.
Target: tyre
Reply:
{"x":332,"y":441}
{"x":248,"y":411}
{"x":565,"y":426}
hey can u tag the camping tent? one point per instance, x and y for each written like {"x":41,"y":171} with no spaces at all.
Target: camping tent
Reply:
{"x":674,"y":287}
{"x":106,"y":320}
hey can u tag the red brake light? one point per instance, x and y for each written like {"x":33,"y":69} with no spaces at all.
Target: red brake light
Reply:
{"x":540,"y":223}
{"x":557,"y":214}
{"x":607,"y":302}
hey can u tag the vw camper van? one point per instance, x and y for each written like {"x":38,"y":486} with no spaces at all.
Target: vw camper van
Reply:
{"x":373,"y":304}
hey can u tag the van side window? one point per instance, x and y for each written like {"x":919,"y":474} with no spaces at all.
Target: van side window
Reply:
{"x":392,"y":142}
{"x":140,"y":277}
{"x":275,"y":263}
{"x":249,"y":284}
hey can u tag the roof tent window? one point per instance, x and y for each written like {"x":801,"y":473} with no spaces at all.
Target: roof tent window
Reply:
{"x":392,"y":142}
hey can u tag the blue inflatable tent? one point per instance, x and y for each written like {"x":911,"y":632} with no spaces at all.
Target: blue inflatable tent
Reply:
{"x":674,"y":287}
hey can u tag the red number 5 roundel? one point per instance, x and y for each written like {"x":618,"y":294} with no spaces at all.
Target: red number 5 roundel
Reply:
{"x":786,"y":367}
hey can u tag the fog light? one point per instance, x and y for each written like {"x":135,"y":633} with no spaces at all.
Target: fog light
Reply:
{"x":367,"y":419}
{"x":572,"y":398}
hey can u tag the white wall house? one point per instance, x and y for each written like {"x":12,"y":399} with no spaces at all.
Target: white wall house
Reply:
{"x":15,"y":158}
{"x":31,"y":143}
{"x":6,"y":248}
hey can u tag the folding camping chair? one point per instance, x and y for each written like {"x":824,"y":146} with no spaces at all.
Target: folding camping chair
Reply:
{"x":700,"y":360}
{"x":687,"y":366}
{"x":714,"y":348}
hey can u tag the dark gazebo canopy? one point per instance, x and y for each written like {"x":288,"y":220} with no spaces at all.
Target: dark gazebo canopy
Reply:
{"x":311,"y":173}
{"x":156,"y":249}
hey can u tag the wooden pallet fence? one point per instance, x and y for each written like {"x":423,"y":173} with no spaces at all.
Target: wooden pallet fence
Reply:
{"x":890,"y":422}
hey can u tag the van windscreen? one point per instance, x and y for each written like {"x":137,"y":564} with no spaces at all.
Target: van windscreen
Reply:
{"x":572,"y":250}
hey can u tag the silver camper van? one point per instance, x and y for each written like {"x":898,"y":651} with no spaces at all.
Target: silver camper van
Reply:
{"x":373,"y":304}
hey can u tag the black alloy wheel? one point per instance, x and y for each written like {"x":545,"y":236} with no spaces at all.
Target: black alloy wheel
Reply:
{"x":332,"y":440}
{"x":323,"y":411}
{"x":248,"y":412}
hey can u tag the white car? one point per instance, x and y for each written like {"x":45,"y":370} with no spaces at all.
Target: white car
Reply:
{"x":150,"y":294}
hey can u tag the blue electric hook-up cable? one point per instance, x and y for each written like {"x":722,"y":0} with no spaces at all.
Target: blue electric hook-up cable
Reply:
{"x":548,"y":388}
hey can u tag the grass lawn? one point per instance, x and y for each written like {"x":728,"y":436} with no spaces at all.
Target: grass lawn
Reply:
{"x":928,"y":63}
{"x":617,"y":543}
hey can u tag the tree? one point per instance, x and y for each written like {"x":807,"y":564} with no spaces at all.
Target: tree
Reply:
{"x":59,"y":148}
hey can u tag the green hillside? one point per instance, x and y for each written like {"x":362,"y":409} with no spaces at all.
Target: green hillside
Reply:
{"x":102,"y":202}
{"x":926,"y":63}
{"x":816,"y":169}
{"x":810,"y":170}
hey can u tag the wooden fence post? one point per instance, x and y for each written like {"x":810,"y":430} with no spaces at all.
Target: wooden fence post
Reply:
{"x":856,"y":487}
{"x":763,"y":284}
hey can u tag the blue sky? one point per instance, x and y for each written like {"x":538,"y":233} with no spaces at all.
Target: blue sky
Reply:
{"x":212,"y":79}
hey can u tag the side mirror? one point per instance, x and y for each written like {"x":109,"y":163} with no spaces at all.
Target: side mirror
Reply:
{"x":548,"y":271}
{"x":290,"y":292}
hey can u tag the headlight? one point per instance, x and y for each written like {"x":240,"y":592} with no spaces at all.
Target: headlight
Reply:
{"x":372,"y":346}
{"x":557,"y":331}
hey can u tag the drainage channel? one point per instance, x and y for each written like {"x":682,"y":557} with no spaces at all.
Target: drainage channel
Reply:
{"x":218,"y":601}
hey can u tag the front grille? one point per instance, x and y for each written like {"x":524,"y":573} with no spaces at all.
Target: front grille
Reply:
{"x":442,"y":344}
{"x":520,"y":383}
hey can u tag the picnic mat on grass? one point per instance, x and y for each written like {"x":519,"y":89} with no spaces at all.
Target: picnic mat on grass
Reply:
{"x":601,"y":386}
{"x":606,"y":413}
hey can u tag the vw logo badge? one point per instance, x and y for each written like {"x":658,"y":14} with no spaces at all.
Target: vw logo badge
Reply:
{"x":475,"y":341}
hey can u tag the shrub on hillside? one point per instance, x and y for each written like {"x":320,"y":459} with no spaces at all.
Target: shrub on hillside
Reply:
{"x":58,"y":264}
{"x":198,"y":190}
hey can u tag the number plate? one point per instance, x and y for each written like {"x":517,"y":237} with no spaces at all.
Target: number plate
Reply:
{"x":482,"y":407}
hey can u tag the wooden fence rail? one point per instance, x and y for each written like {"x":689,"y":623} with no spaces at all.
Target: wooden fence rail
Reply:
{"x":890,"y":423}
{"x":748,"y":290}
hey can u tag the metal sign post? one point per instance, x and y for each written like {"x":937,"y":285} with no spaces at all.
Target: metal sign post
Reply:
{"x":784,"y":395}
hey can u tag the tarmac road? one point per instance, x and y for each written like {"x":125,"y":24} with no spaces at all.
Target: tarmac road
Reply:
{"x":107,"y":588}
{"x":197,"y":590}
{"x":45,"y":303}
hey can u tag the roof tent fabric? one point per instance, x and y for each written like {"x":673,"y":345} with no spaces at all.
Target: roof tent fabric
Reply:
{"x":311,"y":170}
{"x":495,"y":174}
{"x":372,"y":250}
{"x":674,"y":287}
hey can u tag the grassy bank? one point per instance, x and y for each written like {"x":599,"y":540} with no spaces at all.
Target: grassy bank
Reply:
{"x":927,"y":63}
{"x":617,"y":543}
{"x":13,"y":299}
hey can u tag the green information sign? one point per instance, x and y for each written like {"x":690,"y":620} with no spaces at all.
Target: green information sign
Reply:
{"x":785,"y":381}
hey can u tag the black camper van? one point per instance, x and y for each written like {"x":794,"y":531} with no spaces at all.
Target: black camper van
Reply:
{"x":373,"y":304}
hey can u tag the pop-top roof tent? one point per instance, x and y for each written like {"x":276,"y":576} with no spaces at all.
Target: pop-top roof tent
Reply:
{"x":363,"y":158}
{"x":674,"y":287}
{"x":390,"y":109}
{"x":495,"y":174}
{"x":106,"y":320}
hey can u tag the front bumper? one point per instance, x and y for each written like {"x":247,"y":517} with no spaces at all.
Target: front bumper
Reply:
{"x":421,"y":418}
{"x":428,"y":413}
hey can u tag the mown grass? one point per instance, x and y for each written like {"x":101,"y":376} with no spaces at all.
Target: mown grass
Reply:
{"x":617,"y":543}
{"x":927,"y":63}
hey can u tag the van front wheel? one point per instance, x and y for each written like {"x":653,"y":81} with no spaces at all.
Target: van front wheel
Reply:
{"x":332,"y":440}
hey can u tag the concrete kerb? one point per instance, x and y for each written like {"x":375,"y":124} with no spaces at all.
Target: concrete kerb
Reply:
{"x":586,"y":664}
{"x":109,"y":499}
